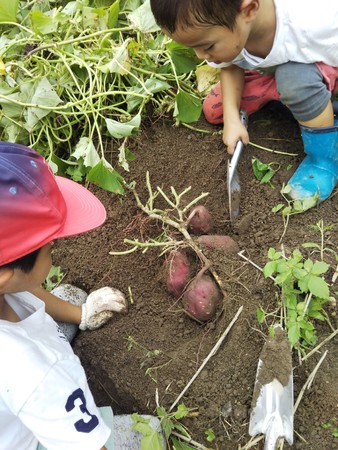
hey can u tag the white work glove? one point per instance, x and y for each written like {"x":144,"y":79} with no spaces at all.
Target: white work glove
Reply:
{"x":100,"y":307}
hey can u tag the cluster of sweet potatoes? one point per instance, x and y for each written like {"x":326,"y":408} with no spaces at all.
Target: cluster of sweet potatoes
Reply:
{"x":200,"y":293}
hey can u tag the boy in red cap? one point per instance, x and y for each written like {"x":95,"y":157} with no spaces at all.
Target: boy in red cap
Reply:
{"x":44,"y":395}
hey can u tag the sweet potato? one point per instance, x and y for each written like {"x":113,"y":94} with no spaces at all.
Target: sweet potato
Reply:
{"x":202,"y":298}
{"x":199,"y":220}
{"x":214,"y":241}
{"x":177,"y":272}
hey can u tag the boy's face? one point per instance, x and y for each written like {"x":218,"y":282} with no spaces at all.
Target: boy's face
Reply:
{"x":22,"y":281}
{"x":214,"y":43}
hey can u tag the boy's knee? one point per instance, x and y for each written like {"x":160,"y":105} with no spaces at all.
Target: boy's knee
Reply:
{"x":212,"y":105}
{"x":302,"y":89}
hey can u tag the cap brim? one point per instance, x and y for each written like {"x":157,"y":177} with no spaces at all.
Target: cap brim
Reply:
{"x":84,"y":211}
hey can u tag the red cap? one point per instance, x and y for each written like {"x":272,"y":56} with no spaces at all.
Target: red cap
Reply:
{"x":36,"y":206}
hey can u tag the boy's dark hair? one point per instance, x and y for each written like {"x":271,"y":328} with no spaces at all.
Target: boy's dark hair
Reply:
{"x":171,"y":14}
{"x":25,"y":263}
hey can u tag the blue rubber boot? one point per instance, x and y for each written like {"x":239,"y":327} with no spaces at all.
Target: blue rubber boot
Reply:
{"x":317,"y":175}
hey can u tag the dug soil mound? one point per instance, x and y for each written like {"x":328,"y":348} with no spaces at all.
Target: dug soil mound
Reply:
{"x":155,"y":349}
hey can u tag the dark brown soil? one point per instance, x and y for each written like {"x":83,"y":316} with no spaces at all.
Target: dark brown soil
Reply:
{"x":156,"y":347}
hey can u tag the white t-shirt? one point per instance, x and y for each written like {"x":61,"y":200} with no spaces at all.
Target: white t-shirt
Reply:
{"x":306,"y":32}
{"x":44,"y":395}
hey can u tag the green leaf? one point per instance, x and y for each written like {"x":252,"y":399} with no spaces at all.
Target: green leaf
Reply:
{"x":278,"y":207}
{"x":113,"y":15}
{"x":310,"y":245}
{"x":317,"y":315}
{"x":183,"y":58}
{"x":120,"y":63}
{"x":260,"y":314}
{"x":269,"y":268}
{"x":210,"y":435}
{"x":303,"y":284}
{"x":299,"y":273}
{"x":182,"y":430}
{"x":188,"y":107}
{"x":318,"y":287}
{"x":8,"y":10}
{"x":152,"y":441}
{"x":310,"y":337}
{"x":294,"y":333}
{"x":263,"y":172}
{"x":152,"y":85}
{"x":167,"y":425}
{"x":305,"y":325}
{"x":308,"y":264}
{"x":85,"y":149}
{"x":44,"y":95}
{"x":179,"y":445}
{"x":123,"y":129}
{"x":310,"y":202}
{"x":142,"y":18}
{"x":319,"y":268}
{"x":43,"y":24}
{"x":106,"y":177}
{"x":181,"y":412}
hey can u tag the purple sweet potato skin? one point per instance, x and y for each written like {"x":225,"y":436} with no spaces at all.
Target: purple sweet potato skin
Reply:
{"x":214,"y":241}
{"x":177,"y":272}
{"x":202,"y":298}
{"x":200,"y":220}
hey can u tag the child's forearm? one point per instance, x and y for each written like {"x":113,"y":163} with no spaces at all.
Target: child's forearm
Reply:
{"x":59,"y":309}
{"x":232,"y":82}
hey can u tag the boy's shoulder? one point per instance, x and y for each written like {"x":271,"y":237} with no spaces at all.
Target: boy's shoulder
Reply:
{"x":34,"y":343}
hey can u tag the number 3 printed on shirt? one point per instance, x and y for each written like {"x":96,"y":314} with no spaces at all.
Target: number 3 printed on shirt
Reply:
{"x":81,"y":425}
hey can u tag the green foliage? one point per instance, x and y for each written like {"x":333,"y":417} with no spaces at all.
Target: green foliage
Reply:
{"x":210,"y":435}
{"x":332,"y":425}
{"x":263,"y":172}
{"x":152,"y":439}
{"x":54,"y":278}
{"x":293,"y":207}
{"x":303,"y":293}
{"x":321,"y":248}
{"x":74,"y":74}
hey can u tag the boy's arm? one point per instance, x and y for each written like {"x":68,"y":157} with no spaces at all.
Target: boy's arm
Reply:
{"x":95,"y":312}
{"x":232,"y":82}
{"x":60,"y":310}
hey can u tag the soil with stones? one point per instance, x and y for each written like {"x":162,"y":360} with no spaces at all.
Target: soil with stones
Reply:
{"x":156,"y":347}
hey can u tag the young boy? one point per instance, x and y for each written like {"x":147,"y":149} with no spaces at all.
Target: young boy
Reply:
{"x":44,"y":395}
{"x":296,"y":42}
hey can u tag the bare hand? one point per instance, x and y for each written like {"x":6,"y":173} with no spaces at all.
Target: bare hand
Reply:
{"x":233,"y":131}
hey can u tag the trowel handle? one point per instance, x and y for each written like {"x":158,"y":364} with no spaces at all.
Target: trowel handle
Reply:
{"x":236,"y":155}
{"x":239,"y":146}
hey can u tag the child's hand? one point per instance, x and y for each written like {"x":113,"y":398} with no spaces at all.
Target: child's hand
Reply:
{"x":233,"y":131}
{"x":100,"y":306}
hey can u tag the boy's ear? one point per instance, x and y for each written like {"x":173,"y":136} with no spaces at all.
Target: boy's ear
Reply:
{"x":250,"y":8}
{"x":5,"y":275}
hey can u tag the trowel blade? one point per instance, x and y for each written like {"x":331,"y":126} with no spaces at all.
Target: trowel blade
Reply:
{"x":233,"y":184}
{"x":272,"y":409}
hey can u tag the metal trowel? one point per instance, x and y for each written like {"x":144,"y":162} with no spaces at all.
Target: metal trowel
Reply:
{"x":272,"y":403}
{"x":234,"y":188}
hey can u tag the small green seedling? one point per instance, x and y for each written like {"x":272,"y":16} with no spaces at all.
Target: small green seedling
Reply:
{"x":293,"y":206}
{"x":149,"y":357}
{"x":303,"y":293}
{"x":172,"y":428}
{"x":210,"y":435}
{"x":332,"y":425}
{"x":264,"y":172}
{"x":319,"y":226}
{"x":54,"y":278}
